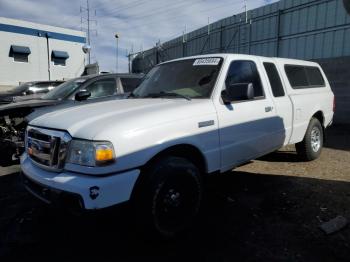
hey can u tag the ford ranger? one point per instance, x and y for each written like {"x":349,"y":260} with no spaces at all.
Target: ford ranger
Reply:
{"x":190,"y":117}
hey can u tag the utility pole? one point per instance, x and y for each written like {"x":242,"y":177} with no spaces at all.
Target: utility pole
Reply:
{"x":184,"y":35}
{"x":208,"y":25}
{"x":88,"y":20}
{"x":130,"y":55}
{"x":246,"y":11}
{"x":117,"y":52}
{"x":88,"y":24}
{"x":184,"y":39}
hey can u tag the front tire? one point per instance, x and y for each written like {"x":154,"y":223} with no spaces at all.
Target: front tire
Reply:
{"x":170,"y":196}
{"x":310,"y":148}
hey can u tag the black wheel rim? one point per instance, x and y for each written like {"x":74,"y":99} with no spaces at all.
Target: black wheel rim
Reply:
{"x":176,"y":203}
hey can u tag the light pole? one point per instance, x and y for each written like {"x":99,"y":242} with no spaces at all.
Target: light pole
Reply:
{"x":117,"y":38}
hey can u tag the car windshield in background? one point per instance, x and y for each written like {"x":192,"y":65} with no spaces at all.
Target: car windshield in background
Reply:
{"x":64,"y":90}
{"x":190,"y":78}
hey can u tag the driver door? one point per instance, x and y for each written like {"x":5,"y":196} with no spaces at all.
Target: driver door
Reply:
{"x":246,"y":126}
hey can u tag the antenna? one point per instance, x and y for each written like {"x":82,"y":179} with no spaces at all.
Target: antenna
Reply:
{"x":85,"y":18}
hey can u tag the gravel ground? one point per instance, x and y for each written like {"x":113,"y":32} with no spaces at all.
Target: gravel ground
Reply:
{"x":268,"y":210}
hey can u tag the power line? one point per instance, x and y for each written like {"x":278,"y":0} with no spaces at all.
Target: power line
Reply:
{"x":179,"y":17}
{"x":102,"y":3}
{"x":176,"y":17}
{"x":69,"y":18}
{"x":127,"y":6}
{"x":167,"y":9}
{"x":154,"y":11}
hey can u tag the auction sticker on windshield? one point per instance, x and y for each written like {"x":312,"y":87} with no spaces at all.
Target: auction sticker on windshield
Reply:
{"x":207,"y":61}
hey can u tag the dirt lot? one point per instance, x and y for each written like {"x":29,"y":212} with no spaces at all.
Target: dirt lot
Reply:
{"x":267,"y":210}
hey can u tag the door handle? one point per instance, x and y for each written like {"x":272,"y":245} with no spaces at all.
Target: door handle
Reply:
{"x":268,"y":109}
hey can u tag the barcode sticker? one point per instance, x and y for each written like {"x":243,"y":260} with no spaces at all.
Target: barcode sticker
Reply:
{"x":206,"y":61}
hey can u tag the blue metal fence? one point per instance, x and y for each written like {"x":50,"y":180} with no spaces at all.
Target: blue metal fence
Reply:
{"x":304,"y":29}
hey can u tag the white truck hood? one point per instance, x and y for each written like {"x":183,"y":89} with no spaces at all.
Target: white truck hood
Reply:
{"x":90,"y":121}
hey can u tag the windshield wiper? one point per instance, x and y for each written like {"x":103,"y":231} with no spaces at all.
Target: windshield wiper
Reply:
{"x":167,"y":94}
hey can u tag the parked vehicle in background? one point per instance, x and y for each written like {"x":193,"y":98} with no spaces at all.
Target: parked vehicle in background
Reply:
{"x":189,"y":117}
{"x":28,"y":90}
{"x":88,"y":89}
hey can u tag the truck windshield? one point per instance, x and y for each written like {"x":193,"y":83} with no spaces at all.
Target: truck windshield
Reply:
{"x":191,"y":78}
{"x":64,"y":90}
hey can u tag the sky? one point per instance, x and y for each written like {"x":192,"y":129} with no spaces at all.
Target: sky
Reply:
{"x":139,"y":23}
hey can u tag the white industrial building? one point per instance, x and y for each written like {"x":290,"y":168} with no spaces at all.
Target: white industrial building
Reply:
{"x":31,"y":52}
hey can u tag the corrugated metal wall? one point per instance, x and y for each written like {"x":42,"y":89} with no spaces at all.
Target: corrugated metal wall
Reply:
{"x":305,"y":29}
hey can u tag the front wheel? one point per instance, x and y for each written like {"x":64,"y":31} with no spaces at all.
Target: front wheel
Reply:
{"x":310,"y":148}
{"x":171,"y":196}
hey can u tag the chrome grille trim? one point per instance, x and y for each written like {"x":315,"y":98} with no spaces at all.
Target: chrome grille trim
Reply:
{"x":47,"y":148}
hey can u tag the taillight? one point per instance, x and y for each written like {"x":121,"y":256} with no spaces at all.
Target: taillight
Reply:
{"x":333,"y":104}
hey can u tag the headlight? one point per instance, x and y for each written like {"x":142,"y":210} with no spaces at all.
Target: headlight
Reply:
{"x":89,"y":153}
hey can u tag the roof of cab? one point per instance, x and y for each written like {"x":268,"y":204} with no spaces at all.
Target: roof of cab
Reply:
{"x":226,"y":55}
{"x":111,"y":74}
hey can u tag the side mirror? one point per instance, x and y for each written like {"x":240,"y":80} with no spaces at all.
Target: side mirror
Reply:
{"x":237,"y":92}
{"x":82,"y":95}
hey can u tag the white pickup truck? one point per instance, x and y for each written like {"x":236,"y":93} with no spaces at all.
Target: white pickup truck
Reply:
{"x":190,"y":117}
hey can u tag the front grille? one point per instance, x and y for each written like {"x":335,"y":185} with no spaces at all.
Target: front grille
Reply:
{"x":46,"y":147}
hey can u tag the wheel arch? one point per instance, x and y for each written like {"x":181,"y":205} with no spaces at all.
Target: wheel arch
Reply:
{"x":319,"y":116}
{"x":187,"y":151}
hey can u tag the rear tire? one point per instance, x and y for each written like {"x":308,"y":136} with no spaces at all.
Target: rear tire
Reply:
{"x":169,"y":197}
{"x":310,"y":148}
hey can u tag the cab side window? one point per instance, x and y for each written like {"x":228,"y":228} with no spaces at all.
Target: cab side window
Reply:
{"x":245,"y":72}
{"x":102,"y":88}
{"x":275,"y":80}
{"x":129,"y":84}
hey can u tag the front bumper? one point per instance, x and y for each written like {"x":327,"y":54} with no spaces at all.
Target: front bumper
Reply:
{"x":88,"y":192}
